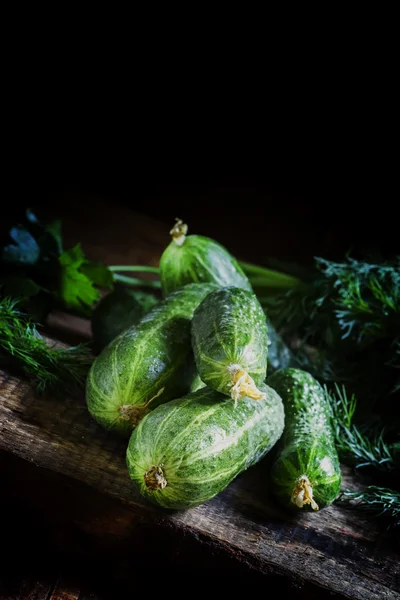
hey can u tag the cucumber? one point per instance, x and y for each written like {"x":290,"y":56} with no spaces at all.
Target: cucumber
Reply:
{"x":195,"y":258}
{"x":197,"y":383}
{"x":306,"y":473}
{"x":117,"y":311}
{"x":145,"y":365}
{"x":279,"y":354}
{"x":230,"y":342}
{"x":186,"y":451}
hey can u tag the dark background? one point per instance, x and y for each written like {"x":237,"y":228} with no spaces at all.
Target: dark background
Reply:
{"x":293,"y":157}
{"x":288,"y":207}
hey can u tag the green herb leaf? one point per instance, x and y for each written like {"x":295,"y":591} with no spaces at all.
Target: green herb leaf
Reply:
{"x":377,"y":501}
{"x":76,"y":290}
{"x":48,"y":368}
{"x":99,"y":274}
{"x":357,"y":446}
{"x":365,"y":297}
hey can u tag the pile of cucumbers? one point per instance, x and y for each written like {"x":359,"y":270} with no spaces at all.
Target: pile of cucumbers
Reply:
{"x":187,"y":381}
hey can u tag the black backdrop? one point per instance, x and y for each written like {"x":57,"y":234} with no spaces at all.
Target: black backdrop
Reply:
{"x":260,"y":202}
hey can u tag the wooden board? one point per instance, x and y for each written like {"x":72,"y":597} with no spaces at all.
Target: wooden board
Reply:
{"x":335,"y":550}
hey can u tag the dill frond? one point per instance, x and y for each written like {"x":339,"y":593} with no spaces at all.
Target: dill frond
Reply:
{"x":350,"y":312}
{"x":358,"y":446}
{"x":376,"y":501}
{"x":48,"y":368}
{"x":366,"y":297}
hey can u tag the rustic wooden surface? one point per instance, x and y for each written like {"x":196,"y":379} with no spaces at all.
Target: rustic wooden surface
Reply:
{"x":31,"y":589}
{"x":54,"y":586}
{"x":335,"y":550}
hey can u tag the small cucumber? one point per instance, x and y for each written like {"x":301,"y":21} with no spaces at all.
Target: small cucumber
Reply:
{"x":306,"y":473}
{"x":279,"y":354}
{"x":117,"y":311}
{"x":230,"y":342}
{"x":197,"y":383}
{"x":195,"y":258}
{"x":147,"y":364}
{"x":186,"y":451}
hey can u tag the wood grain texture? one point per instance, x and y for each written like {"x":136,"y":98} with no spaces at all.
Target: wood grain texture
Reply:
{"x":50,"y":588}
{"x":64,"y":591}
{"x":335,"y":549}
{"x":34,"y":590}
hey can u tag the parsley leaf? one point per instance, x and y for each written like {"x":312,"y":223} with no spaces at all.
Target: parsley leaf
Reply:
{"x":99,"y":274}
{"x":35,"y":270}
{"x":76,"y":290}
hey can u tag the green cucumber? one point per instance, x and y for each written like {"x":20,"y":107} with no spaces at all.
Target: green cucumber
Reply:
{"x":306,"y":473}
{"x":145,"y":365}
{"x":230,"y":342}
{"x":197,"y":383}
{"x":280,"y":356}
{"x":186,"y":451}
{"x":117,"y":311}
{"x":195,"y":258}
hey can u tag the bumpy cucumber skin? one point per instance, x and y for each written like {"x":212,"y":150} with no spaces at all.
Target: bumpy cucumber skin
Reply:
{"x":229,"y":327}
{"x":199,"y":259}
{"x":153,"y":354}
{"x":202,"y":442}
{"x":117,"y":311}
{"x":307,"y":446}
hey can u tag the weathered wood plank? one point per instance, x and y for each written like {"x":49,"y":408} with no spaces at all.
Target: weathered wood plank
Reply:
{"x":34,"y":590}
{"x":335,"y":549}
{"x":64,"y":591}
{"x":43,"y":589}
{"x":95,"y":528}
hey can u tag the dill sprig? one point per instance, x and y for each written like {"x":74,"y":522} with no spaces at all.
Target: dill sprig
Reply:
{"x":358,"y":446}
{"x":355,"y":299}
{"x":350,"y":312}
{"x":366,"y":298}
{"x":48,"y":368}
{"x":377,"y":501}
{"x":395,"y":362}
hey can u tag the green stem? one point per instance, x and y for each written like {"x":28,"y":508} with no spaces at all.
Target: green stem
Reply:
{"x":273,"y":283}
{"x":264,"y":277}
{"x":258,"y":276}
{"x":135,"y":268}
{"x":135,"y":282}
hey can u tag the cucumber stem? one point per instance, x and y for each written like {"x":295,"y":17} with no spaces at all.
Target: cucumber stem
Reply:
{"x":303,"y":493}
{"x":179,"y":232}
{"x":154,"y":478}
{"x":160,"y":391}
{"x":243,"y":385}
{"x":134,"y":413}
